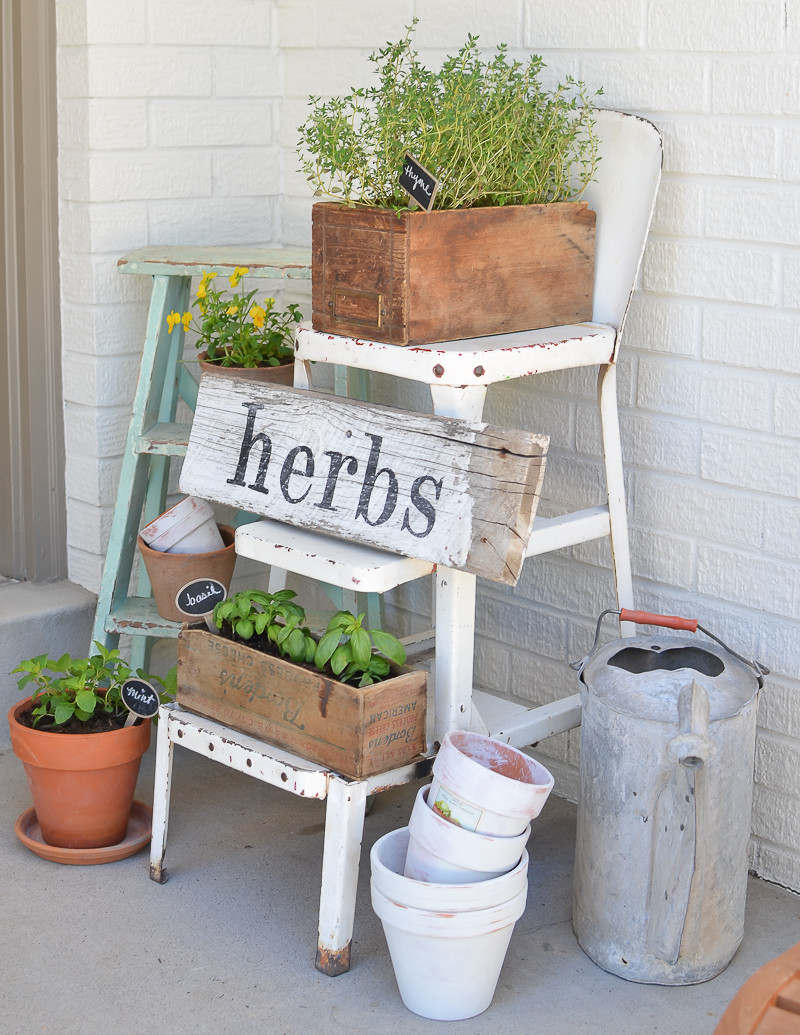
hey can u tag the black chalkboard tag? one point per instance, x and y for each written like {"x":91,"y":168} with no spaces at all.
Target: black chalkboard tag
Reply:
{"x":419,"y":183}
{"x":140,"y":698}
{"x":200,"y":597}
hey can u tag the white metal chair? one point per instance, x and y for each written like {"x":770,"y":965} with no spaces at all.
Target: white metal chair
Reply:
{"x":458,"y":374}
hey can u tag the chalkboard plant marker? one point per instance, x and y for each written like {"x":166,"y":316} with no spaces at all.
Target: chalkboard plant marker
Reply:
{"x":420,"y":184}
{"x":80,"y":758}
{"x":198,"y":598}
{"x":141,"y":699}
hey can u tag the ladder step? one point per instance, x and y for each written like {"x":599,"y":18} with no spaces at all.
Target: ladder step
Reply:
{"x":165,"y":440}
{"x":139,"y":615}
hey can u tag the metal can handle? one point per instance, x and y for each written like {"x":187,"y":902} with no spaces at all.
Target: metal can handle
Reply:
{"x":669,"y":622}
{"x":648,"y":618}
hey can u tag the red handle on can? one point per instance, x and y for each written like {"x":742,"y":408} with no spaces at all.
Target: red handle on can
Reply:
{"x":668,"y":621}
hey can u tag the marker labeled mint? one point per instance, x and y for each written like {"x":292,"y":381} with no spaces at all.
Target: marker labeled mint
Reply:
{"x":140,"y":698}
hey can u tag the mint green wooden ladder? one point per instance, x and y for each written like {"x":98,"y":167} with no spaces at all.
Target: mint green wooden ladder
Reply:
{"x":153,"y":436}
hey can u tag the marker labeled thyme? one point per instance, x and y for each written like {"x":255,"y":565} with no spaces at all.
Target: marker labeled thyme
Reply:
{"x":419,"y":183}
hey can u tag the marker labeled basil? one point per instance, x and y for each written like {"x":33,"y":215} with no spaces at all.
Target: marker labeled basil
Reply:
{"x":199,"y":598}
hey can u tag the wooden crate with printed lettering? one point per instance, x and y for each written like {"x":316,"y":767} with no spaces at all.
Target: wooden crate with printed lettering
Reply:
{"x":357,"y":732}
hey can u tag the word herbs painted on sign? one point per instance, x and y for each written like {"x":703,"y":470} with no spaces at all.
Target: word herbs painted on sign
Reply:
{"x":457,"y":493}
{"x":301,"y":471}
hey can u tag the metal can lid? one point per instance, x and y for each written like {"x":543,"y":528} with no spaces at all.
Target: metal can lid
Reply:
{"x":643,"y":675}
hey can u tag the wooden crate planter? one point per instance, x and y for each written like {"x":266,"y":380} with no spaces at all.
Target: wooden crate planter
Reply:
{"x":356,"y":732}
{"x":424,"y":277}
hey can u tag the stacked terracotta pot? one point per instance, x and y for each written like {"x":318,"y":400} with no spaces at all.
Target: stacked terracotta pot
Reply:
{"x":450,"y":887}
{"x":182,"y":545}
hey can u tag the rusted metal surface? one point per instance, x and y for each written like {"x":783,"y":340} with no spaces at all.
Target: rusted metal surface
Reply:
{"x":333,"y":963}
{"x":158,"y":873}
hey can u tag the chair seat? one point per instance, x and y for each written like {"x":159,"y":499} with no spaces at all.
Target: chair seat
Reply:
{"x":349,"y":565}
{"x":468,"y":361}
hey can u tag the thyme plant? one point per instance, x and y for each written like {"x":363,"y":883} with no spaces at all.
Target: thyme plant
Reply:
{"x":488,"y":130}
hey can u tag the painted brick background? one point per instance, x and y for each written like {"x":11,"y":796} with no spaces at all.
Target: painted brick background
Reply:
{"x":178,"y":125}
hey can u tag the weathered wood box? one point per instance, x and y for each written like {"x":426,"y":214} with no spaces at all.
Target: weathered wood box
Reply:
{"x":356,"y":732}
{"x":423,"y":277}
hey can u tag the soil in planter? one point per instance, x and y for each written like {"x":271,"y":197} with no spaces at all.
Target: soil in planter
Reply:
{"x":102,"y":723}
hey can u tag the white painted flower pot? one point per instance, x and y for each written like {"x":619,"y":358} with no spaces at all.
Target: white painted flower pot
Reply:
{"x":447,"y":942}
{"x":188,"y":527}
{"x":441,"y":851}
{"x":486,"y":786}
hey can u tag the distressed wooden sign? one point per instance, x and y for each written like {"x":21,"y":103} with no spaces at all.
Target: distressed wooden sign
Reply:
{"x":459,"y":493}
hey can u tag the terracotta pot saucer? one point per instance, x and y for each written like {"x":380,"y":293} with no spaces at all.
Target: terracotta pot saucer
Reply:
{"x":137,"y":836}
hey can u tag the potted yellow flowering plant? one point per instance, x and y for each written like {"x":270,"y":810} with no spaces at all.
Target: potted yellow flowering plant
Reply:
{"x":237,"y":333}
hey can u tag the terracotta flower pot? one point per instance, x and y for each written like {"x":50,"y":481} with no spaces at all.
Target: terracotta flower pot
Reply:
{"x":282,"y":375}
{"x":82,"y":783}
{"x":170,"y":572}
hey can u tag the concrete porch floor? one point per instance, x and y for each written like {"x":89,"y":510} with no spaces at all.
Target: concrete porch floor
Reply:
{"x":227,"y":945}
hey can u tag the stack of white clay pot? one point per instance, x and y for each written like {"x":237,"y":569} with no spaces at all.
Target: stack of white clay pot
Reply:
{"x":449,"y":887}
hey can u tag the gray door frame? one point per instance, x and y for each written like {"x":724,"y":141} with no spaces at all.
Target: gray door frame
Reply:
{"x":32,"y":496}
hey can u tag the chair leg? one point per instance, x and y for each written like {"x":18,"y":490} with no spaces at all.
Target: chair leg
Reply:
{"x":615,"y":482}
{"x":344,"y":829}
{"x":455,"y":648}
{"x":161,"y":796}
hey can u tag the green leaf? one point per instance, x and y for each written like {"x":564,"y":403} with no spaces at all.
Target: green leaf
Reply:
{"x":85,"y":701}
{"x":244,"y":628}
{"x":361,"y":647}
{"x":389,"y":645}
{"x":340,"y":658}
{"x":325,"y":648}
{"x":64,"y":711}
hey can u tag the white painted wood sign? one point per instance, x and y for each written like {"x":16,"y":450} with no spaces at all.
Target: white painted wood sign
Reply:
{"x":459,"y":493}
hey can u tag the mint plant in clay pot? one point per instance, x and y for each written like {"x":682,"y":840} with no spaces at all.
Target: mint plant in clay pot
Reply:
{"x":81,"y":748}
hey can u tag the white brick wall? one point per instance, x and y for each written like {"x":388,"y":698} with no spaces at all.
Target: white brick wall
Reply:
{"x":178,"y":125}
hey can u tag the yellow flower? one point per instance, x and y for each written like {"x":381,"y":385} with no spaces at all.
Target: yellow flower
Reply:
{"x":172,"y":321}
{"x":202,"y":290}
{"x":258,"y":315}
{"x":186,"y":319}
{"x":237,"y":275}
{"x":232,"y":310}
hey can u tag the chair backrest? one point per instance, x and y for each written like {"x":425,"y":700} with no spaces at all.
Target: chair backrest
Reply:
{"x":623,"y":196}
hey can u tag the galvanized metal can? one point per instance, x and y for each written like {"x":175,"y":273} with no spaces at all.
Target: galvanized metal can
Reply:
{"x":666,"y":773}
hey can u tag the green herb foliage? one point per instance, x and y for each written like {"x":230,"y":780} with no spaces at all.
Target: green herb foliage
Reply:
{"x":350,"y":652}
{"x":81,"y":688}
{"x":488,"y":130}
{"x":274,"y":615}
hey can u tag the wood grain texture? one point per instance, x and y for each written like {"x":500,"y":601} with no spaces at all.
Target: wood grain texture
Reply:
{"x":458,"y":493}
{"x":357,"y":732}
{"x":422,"y":277}
{"x":187,"y":261}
